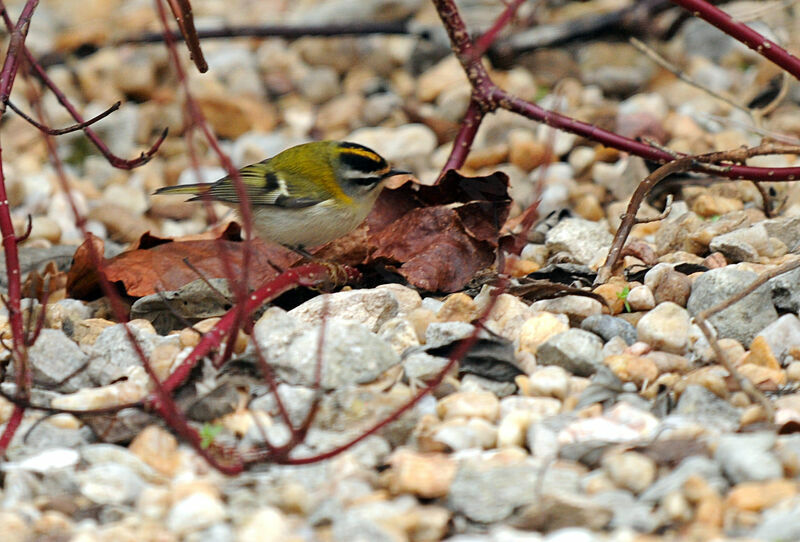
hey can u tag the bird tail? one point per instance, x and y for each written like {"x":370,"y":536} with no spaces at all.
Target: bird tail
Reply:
{"x":198,"y":190}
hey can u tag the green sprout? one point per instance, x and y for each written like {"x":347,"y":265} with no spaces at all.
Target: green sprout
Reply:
{"x":623,"y":295}
{"x":208,"y":433}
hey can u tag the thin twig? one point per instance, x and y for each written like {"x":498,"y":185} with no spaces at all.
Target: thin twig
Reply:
{"x":68,"y":129}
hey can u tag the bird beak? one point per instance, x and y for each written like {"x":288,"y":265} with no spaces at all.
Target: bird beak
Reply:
{"x":393,"y":172}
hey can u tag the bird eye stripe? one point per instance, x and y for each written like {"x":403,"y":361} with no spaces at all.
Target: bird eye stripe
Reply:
{"x":364,"y":181}
{"x":363,"y":162}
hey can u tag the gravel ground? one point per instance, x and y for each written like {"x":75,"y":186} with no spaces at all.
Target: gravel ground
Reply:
{"x":616,"y":423}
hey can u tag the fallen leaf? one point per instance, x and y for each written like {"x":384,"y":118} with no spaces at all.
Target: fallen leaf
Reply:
{"x":438,"y":237}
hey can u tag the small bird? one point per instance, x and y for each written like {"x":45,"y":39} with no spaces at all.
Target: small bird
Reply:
{"x":306,"y":195}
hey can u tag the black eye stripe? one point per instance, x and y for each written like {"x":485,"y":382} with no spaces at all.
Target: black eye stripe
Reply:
{"x":364,"y":181}
{"x":364,"y":162}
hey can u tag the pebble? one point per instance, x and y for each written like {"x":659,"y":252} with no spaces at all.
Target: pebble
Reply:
{"x":674,"y":287}
{"x":666,"y":327}
{"x":537,"y":329}
{"x":552,"y":381}
{"x":630,"y":368}
{"x":54,"y":357}
{"x":576,"y":307}
{"x":372,"y":308}
{"x":294,"y":354}
{"x":641,"y":298}
{"x":585,"y":241}
{"x":741,"y":321}
{"x":469,"y":405}
{"x":630,"y":470}
{"x":427,"y":475}
{"x":748,"y":457}
{"x":608,"y":327}
{"x":575,"y":350}
{"x":194,"y":512}
{"x":267,"y":524}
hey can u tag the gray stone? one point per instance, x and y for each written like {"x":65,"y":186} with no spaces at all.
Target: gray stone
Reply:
{"x":584,"y":240}
{"x":779,"y":523}
{"x":616,"y":68}
{"x":53,"y":357}
{"x":699,"y":36}
{"x":488,"y":492}
{"x":372,"y":308}
{"x":297,"y":401}
{"x":112,"y":355}
{"x":191,"y":302}
{"x":699,"y":404}
{"x":747,"y":244}
{"x":785,"y":228}
{"x":748,"y":457}
{"x":744,"y":319}
{"x":622,"y":177}
{"x":575,"y":350}
{"x":608,"y":327}
{"x":782,"y":334}
{"x":628,"y":511}
{"x":351,"y":353}
{"x":108,"y":483}
{"x":576,"y":307}
{"x":697,"y":465}
{"x":442,"y":333}
{"x":556,"y":511}
{"x":421,"y":366}
{"x":786,"y":291}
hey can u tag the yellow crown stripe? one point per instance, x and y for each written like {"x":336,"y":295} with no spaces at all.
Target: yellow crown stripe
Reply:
{"x":362,"y":152}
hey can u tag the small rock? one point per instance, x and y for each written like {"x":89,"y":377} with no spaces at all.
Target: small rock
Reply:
{"x":700,"y":404}
{"x":641,"y":298}
{"x":621,"y":178}
{"x":469,"y":405}
{"x":585,"y":241}
{"x":674,"y":287}
{"x":267,"y":524}
{"x":293,"y":351}
{"x":745,"y":318}
{"x":761,"y":354}
{"x":786,"y":291}
{"x":54,"y":357}
{"x":665,"y":328}
{"x":630,"y":470}
{"x":194,"y":513}
{"x":550,"y":381}
{"x":748,"y":457}
{"x":781,"y":335}
{"x":427,"y":475}
{"x":111,"y":484}
{"x":757,"y":496}
{"x":157,"y":448}
{"x":576,"y":307}
{"x":608,"y":327}
{"x":575,"y":350}
{"x":372,"y":308}
{"x":630,"y":368}
{"x":537,"y":329}
{"x":747,"y":244}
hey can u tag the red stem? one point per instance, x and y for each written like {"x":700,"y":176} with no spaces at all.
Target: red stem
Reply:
{"x":488,"y":97}
{"x":482,"y":43}
{"x":743,"y":33}
{"x":112,"y":158}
